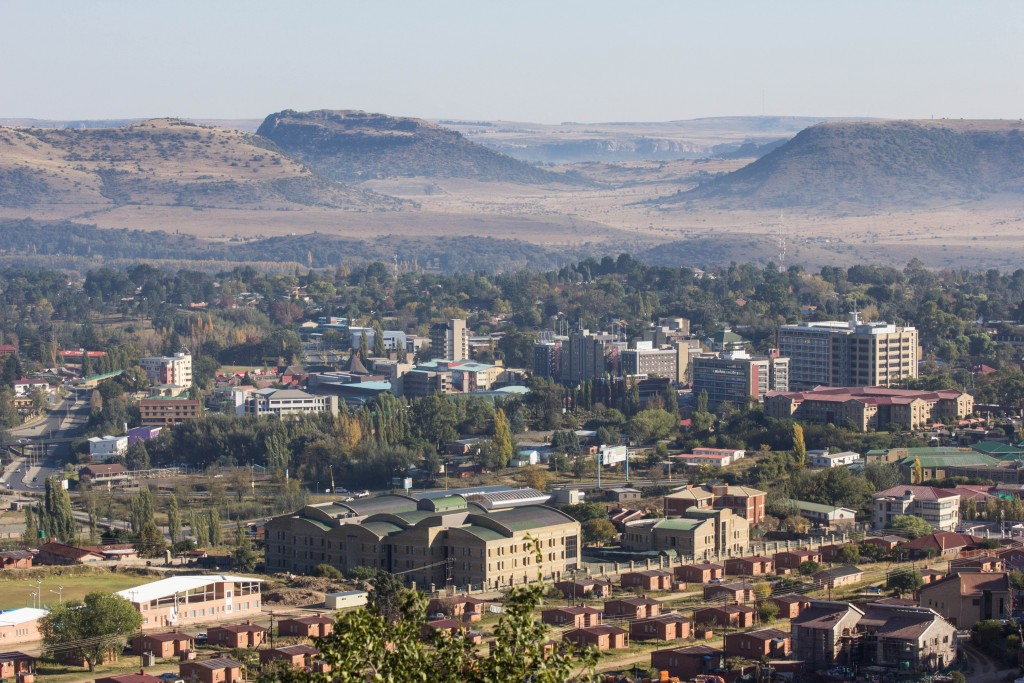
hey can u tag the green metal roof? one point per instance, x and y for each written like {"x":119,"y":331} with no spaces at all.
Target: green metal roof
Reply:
{"x":922,"y":450}
{"x":443,"y":504}
{"x":679,"y":524}
{"x":949,"y":460}
{"x":530,"y":517}
{"x":482,"y":532}
{"x":381,"y":529}
{"x":816,"y":507}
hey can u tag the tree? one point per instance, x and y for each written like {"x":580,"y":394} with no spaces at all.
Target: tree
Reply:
{"x":651,"y":425}
{"x":905,"y":581}
{"x":917,"y":473}
{"x":536,"y":478}
{"x":910,"y":526}
{"x":799,"y":447}
{"x":213,"y":524}
{"x":327,"y":571}
{"x":385,"y":598}
{"x":137,"y":456}
{"x":762,"y":590}
{"x":582,"y":512}
{"x":599,"y":531}
{"x":96,"y":625}
{"x":200,"y":529}
{"x":502,"y":443}
{"x":882,"y":475}
{"x":848,"y":554}
{"x":378,"y":340}
{"x":809,"y":568}
{"x":150,"y":541}
{"x":141,"y":508}
{"x":243,"y":557}
{"x":767,"y":611}
{"x":30,"y":537}
{"x":58,"y":516}
{"x":173,"y":519}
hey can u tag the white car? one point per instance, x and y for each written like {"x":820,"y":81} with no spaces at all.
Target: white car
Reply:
{"x":362,"y":494}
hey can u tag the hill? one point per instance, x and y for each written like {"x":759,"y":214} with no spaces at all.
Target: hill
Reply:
{"x":161,"y":162}
{"x":876,"y":165}
{"x":354,"y":146}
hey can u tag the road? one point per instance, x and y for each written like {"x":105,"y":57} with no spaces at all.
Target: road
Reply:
{"x":45,"y":444}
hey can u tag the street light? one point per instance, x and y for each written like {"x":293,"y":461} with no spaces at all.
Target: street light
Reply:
{"x":59,"y":592}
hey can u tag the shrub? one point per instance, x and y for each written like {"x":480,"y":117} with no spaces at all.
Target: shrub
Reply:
{"x":327,"y":571}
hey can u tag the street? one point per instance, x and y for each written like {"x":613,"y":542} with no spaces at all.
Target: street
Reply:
{"x":44,"y":445}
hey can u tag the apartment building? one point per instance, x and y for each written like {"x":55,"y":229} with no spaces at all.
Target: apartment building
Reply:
{"x":430,"y":541}
{"x":103,"y":448}
{"x":738,"y":377}
{"x":160,"y":411}
{"x":174,"y":370}
{"x":743,"y":501}
{"x":702,"y":534}
{"x":420,"y":383}
{"x":647,"y":361}
{"x":938,"y":507}
{"x":869,"y":408}
{"x":182,"y":600}
{"x":966,"y":598}
{"x":845,"y":354}
{"x":284,"y":402}
{"x":449,"y":340}
{"x":584,"y":356}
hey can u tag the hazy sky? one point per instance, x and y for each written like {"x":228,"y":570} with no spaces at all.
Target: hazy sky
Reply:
{"x":534,"y":61}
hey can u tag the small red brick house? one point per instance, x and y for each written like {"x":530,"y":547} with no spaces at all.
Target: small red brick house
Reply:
{"x":702,"y":572}
{"x":306,"y":627}
{"x":464,"y":606}
{"x":245,"y":635}
{"x":670,"y":626}
{"x":219,"y":670}
{"x":16,"y":665}
{"x":163,"y":645}
{"x":141,"y":677}
{"x":578,"y":616}
{"x":648,"y":579}
{"x":295,"y":656}
{"x":763,"y":642}
{"x":755,"y":565}
{"x":602,"y":637}
{"x":739,"y":592}
{"x":828,"y":552}
{"x":16,"y":559}
{"x":578,"y":588}
{"x":790,"y":560}
{"x":886,"y":543}
{"x":60,"y":554}
{"x":687,"y":662}
{"x":733,"y":616}
{"x":632,"y":608}
{"x":790,"y":606}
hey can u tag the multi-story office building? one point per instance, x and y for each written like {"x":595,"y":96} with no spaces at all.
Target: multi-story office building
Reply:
{"x":450,"y":340}
{"x":547,"y":359}
{"x":702,"y":534}
{"x":843,"y":354}
{"x":584,"y":356}
{"x":739,"y":377}
{"x":865,"y":408}
{"x":168,"y":410}
{"x":175,"y":370}
{"x":419,"y":383}
{"x":431,"y":541}
{"x":651,"y":362}
{"x":283,"y":402}
{"x":938,"y":507}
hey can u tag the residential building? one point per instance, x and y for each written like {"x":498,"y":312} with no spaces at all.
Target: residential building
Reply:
{"x":725,"y":616}
{"x":141,"y":677}
{"x":175,"y":370}
{"x":457,"y":606}
{"x":399,"y":533}
{"x":25,"y":386}
{"x":825,"y":515}
{"x":17,"y":666}
{"x":688,"y":662}
{"x":54,"y":553}
{"x":284,"y":402}
{"x":755,"y":565}
{"x":826,"y":459}
{"x":904,"y":638}
{"x":146,"y":433}
{"x":182,"y":600}
{"x":941,"y":544}
{"x":869,"y":408}
{"x":164,"y":411}
{"x":738,"y":592}
{"x":790,"y":606}
{"x":703,"y":572}
{"x":602,"y":637}
{"x":844,"y":354}
{"x":237,"y":636}
{"x":669,"y":626}
{"x":313,"y":626}
{"x":790,"y":560}
{"x":163,"y":645}
{"x":632,"y":608}
{"x":817,"y":634}
{"x":648,"y":579}
{"x":578,"y":588}
{"x":16,"y":559}
{"x":742,"y":501}
{"x":20,"y":626}
{"x":577,"y":617}
{"x":936,"y":506}
{"x":758,"y":644}
{"x":965,"y":598}
{"x":103,"y":448}
{"x":217,"y":670}
{"x":450,"y":340}
{"x":738,"y":377}
{"x":104,"y":474}
{"x":834,"y":577}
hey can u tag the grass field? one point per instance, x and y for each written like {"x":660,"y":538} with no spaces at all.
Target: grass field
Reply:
{"x":16,"y":590}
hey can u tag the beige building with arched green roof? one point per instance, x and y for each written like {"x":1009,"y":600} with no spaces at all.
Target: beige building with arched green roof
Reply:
{"x":429,"y":541}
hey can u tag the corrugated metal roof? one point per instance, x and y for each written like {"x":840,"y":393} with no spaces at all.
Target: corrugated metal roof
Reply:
{"x":179,"y":584}
{"x":20,"y":616}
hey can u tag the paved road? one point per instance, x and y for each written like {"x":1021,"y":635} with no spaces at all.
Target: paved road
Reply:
{"x":45,"y":444}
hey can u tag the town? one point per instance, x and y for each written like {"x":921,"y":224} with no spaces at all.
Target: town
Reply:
{"x":240,"y":466}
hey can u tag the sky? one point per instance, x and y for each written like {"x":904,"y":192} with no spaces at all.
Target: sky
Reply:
{"x":544,"y":62}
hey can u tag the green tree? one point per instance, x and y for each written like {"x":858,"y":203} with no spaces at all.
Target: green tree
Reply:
{"x":378,"y":340}
{"x":809,"y":568}
{"x":58,"y":515}
{"x":582,"y":512}
{"x":173,"y":519}
{"x":848,"y":554}
{"x":502,"y":443}
{"x":599,"y":531}
{"x":92,"y":627}
{"x":141,"y":510}
{"x":385,"y":598}
{"x":651,"y":425}
{"x":243,"y":557}
{"x":910,"y":526}
{"x":137,"y":456}
{"x":327,"y":571}
{"x":882,"y":475}
{"x":150,"y":541}
{"x":197,"y":522}
{"x":767,"y":611}
{"x":213,"y":524}
{"x":30,"y":537}
{"x":905,"y":581}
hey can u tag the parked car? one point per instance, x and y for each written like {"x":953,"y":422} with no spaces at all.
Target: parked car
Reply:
{"x":171,"y":677}
{"x":362,"y":494}
{"x":201,"y":638}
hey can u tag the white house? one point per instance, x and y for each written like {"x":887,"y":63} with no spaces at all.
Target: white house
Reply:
{"x":102,"y":448}
{"x":24,"y":387}
{"x":826,"y":459}
{"x":525,"y":456}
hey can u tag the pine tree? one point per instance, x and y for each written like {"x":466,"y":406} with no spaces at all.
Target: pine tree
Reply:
{"x":173,"y":520}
